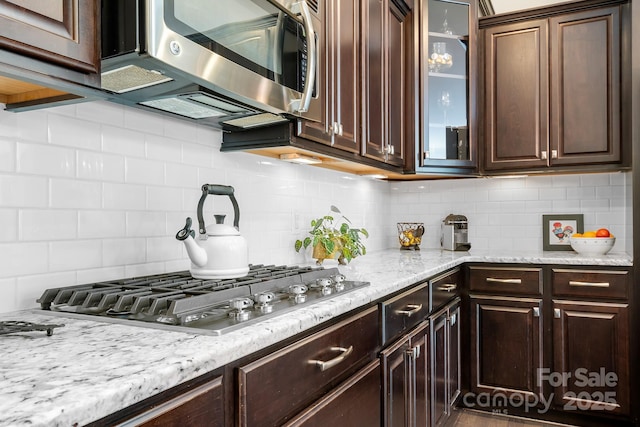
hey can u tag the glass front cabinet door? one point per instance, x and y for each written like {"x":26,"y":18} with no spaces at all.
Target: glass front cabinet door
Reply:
{"x":448,"y":61}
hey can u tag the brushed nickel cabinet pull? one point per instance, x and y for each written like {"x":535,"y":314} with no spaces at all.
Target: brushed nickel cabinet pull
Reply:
{"x":554,"y":154}
{"x":508,"y":281}
{"x":536,"y":312}
{"x":413,"y":308}
{"x":556,"y":313}
{"x":592,"y":284}
{"x":344,"y":353}
{"x":543,"y":155}
{"x":447,"y":287}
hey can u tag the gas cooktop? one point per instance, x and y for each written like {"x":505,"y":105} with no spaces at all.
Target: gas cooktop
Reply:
{"x":211,"y":306}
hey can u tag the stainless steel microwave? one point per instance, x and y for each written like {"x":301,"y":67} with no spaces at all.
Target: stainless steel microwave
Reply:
{"x":230,"y":63}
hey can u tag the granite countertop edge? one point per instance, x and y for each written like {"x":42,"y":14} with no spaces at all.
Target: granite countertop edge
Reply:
{"x":89,"y":369}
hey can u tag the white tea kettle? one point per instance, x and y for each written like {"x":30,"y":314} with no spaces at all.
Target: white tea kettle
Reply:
{"x":220,"y":252}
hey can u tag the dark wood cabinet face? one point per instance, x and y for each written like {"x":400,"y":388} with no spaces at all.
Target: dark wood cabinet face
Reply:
{"x":591,"y":351}
{"x":516,"y":95}
{"x":356,"y":402}
{"x":552,"y":91}
{"x":585,"y":87}
{"x":395,"y":391}
{"x":62,"y":32}
{"x":338,"y":80}
{"x":439,"y":349}
{"x":506,"y":347}
{"x":276,"y":386}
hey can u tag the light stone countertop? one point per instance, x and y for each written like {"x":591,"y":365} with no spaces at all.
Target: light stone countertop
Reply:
{"x":90,"y":368}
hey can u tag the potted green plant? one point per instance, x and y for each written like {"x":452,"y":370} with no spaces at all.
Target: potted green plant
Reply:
{"x":333,"y":237}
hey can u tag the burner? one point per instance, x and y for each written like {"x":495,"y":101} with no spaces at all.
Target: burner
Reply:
{"x":11,"y":327}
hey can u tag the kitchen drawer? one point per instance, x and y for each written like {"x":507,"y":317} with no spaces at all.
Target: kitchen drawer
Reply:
{"x":403,"y":312}
{"x":506,"y":280}
{"x":283,"y":383}
{"x":444,"y":288}
{"x":576,"y":282}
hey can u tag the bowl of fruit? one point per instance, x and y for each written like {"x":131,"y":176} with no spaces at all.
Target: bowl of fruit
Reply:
{"x":594,"y":242}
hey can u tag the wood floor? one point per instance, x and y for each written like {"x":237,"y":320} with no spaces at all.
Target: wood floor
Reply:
{"x":471,"y":418}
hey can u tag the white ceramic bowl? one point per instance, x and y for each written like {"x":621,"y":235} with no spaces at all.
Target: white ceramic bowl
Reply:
{"x":592,"y":245}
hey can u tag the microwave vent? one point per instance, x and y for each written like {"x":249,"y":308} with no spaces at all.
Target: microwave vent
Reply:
{"x":131,"y":77}
{"x":313,"y":5}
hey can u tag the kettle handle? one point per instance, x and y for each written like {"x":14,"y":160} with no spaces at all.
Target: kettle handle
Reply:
{"x":218,"y":190}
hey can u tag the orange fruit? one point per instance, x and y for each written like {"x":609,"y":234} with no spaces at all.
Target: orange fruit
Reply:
{"x":576,"y":235}
{"x":589,"y":234}
{"x":603,"y":232}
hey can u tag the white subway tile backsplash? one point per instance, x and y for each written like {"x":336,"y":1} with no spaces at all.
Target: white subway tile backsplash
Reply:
{"x":141,"y":171}
{"x":9,"y":300}
{"x":147,"y":224}
{"x":20,"y":258}
{"x":48,"y":224}
{"x":9,"y":221}
{"x":23,"y":191}
{"x":100,"y":224}
{"x":100,"y":166}
{"x":73,"y":132}
{"x":7,"y":155}
{"x":123,"y":141}
{"x":73,"y":193}
{"x":123,"y":251}
{"x":124,"y":196}
{"x":74,"y":255}
{"x":80,"y":211}
{"x":45,"y":160}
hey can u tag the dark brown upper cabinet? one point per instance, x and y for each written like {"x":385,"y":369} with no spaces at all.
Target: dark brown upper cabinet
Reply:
{"x":363,"y":85}
{"x":48,"y":49}
{"x":387,"y":32}
{"x":338,"y":107}
{"x":553,"y":88}
{"x":447,"y":90}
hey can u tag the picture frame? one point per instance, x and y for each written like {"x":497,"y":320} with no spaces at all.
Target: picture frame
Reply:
{"x":557,"y":228}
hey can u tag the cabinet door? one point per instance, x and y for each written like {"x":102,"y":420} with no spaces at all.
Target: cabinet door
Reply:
{"x":506,"y":346}
{"x":406,"y":379}
{"x":585,"y":87}
{"x":591,"y":352}
{"x":448,"y":64}
{"x":516,"y":96}
{"x":439,"y":378}
{"x":396,"y":389}
{"x":339,"y":74}
{"x":453,"y":359}
{"x":200,"y":406}
{"x":63,"y":32}
{"x":356,"y":402}
{"x":384,"y":56}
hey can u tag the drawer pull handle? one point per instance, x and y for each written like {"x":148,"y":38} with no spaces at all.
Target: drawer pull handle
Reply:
{"x":344,"y":353}
{"x":508,"y":281}
{"x":414,"y":308}
{"x":447,"y":287}
{"x":593,"y":284}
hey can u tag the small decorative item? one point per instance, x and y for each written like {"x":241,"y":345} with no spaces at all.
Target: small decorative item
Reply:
{"x":557,"y":231}
{"x":440,"y":59}
{"x":333,"y":237}
{"x":410,"y":235}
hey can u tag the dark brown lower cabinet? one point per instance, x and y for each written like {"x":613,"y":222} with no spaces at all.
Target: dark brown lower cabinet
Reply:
{"x":445,"y":362}
{"x":202,"y":405}
{"x":355,"y":403}
{"x":506,"y":347}
{"x":405,"y":367}
{"x":590,"y":357}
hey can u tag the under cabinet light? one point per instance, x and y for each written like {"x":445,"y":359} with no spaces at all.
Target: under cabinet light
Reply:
{"x":299,"y":158}
{"x":374,"y":176}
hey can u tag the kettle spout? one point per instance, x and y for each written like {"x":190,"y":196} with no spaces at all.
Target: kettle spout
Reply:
{"x":197,"y":255}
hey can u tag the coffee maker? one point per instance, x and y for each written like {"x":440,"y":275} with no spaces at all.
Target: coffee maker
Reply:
{"x":455,"y":235}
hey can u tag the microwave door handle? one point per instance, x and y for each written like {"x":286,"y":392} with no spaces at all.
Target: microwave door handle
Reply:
{"x":302,"y":105}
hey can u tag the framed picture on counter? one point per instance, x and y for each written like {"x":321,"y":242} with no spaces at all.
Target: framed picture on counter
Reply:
{"x":557,"y":229}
